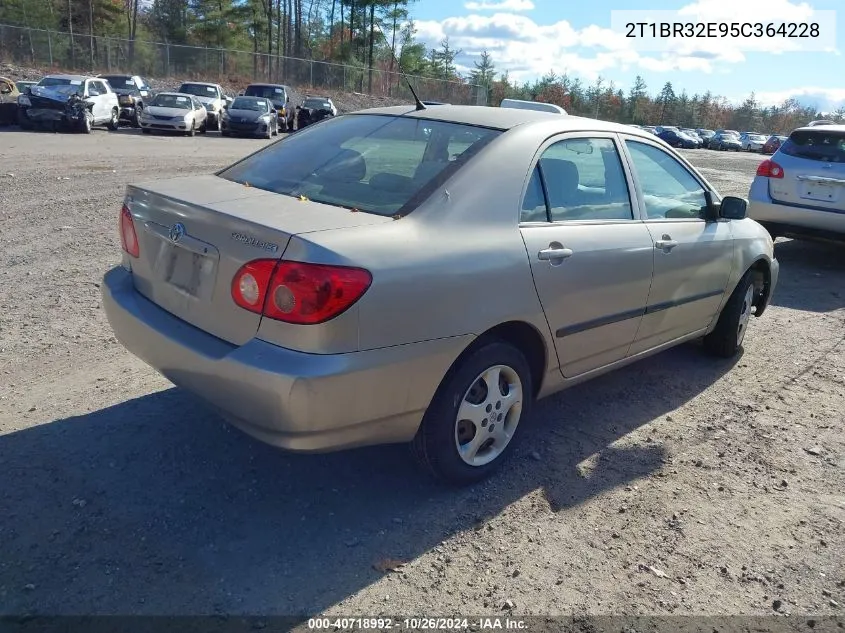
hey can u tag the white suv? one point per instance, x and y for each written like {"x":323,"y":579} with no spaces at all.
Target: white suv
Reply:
{"x":800,"y":191}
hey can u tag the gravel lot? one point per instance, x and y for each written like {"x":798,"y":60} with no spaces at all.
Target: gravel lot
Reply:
{"x":680,"y":485}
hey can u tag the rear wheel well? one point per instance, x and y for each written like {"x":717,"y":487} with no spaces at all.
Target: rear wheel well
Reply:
{"x":523,"y":337}
{"x":762,"y":276}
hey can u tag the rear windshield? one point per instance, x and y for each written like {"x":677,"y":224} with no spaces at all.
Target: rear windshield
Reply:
{"x":821,"y":144}
{"x":379,"y":164}
{"x":317,"y":104}
{"x":267,"y":92}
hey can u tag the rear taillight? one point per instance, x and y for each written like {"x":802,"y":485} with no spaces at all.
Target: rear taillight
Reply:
{"x":770,"y":169}
{"x":297,"y":292}
{"x":128,"y":237}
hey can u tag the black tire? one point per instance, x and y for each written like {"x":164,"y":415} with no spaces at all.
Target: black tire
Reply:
{"x":193,"y":130}
{"x":136,"y":117}
{"x":225,"y":133}
{"x":726,"y":339}
{"x":146,"y":131}
{"x":114,"y":122}
{"x":435,"y":445}
{"x":204,"y":127}
{"x":23,"y":121}
{"x":87,"y":123}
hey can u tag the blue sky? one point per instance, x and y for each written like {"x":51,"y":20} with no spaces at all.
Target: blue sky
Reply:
{"x":531,"y":37}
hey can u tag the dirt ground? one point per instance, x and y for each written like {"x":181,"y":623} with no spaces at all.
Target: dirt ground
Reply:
{"x":680,"y":485}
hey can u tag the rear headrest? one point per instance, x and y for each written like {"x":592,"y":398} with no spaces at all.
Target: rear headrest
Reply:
{"x":347,"y":166}
{"x":559,"y":173}
{"x":391,"y":182}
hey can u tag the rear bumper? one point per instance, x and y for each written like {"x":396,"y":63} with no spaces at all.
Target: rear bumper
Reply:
{"x":297,"y":401}
{"x":793,"y":219}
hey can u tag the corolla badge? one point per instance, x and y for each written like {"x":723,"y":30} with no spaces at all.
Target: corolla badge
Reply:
{"x":177,"y":232}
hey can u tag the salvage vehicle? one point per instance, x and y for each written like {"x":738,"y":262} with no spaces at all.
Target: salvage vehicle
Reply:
{"x":800,"y":191}
{"x":132,"y":91}
{"x":212,"y":96}
{"x":71,"y":101}
{"x":305,"y":116}
{"x":8,"y":101}
{"x":24,"y":85}
{"x":320,"y":103}
{"x":175,"y":112}
{"x":279,"y":95}
{"x":353,"y":285}
{"x":250,"y":116}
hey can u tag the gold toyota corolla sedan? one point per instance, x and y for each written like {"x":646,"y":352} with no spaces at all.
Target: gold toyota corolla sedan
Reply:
{"x":424,"y":275}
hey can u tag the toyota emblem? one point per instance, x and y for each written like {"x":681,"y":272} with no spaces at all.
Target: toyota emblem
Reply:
{"x":177,"y":232}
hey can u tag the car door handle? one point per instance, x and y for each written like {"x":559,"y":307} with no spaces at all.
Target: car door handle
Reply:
{"x":554,"y":253}
{"x":666,"y":243}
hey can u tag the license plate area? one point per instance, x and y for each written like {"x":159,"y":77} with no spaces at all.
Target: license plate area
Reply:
{"x":820,"y":191}
{"x":188,"y":266}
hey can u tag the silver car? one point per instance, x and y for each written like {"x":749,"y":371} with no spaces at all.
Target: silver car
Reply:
{"x":174,"y":112}
{"x":397,"y":275}
{"x":800,"y":191}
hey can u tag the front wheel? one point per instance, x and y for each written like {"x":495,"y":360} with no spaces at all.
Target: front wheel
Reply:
{"x":87,"y":122}
{"x":193,"y":130}
{"x":726,"y":338}
{"x":471,"y":425}
{"x":114,"y":121}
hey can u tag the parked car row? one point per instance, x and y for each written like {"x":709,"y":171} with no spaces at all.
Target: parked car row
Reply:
{"x":720,"y":140}
{"x":80,"y":102}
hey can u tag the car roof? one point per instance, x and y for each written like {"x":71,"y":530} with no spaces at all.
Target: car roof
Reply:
{"x":175,"y":94}
{"x":500,"y":118}
{"x":70,"y":77}
{"x":268,"y":85}
{"x":836,"y":127}
{"x":200,"y":83}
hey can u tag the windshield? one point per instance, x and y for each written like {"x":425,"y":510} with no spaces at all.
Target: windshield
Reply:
{"x":375,"y":163}
{"x":173,"y":101}
{"x":267,"y":92}
{"x":317,"y":104}
{"x":822,"y":145}
{"x":52,"y":82}
{"x":66,"y":88}
{"x":730,"y":135}
{"x":119,"y":81}
{"x":199,"y":90}
{"x":249,"y":104}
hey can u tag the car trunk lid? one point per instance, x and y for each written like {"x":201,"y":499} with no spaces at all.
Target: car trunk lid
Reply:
{"x":195,"y":233}
{"x":813,"y":163}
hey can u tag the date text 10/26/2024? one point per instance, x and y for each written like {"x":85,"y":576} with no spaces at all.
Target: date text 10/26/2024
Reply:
{"x":661,"y":30}
{"x":416,"y":624}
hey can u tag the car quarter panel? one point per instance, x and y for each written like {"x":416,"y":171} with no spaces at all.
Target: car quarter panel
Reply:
{"x":454,"y":266}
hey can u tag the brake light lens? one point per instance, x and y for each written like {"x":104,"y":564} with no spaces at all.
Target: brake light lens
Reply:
{"x":770,"y":169}
{"x":298,"y":292}
{"x":128,"y":237}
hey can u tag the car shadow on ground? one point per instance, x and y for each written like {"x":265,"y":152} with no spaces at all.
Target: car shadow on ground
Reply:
{"x":812,"y":275}
{"x":154,"y":506}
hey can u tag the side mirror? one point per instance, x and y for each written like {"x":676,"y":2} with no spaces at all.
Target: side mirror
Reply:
{"x":733,"y":208}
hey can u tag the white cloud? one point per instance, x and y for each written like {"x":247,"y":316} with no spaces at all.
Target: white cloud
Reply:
{"x":824,"y":99}
{"x":528,"y":50}
{"x":504,"y":5}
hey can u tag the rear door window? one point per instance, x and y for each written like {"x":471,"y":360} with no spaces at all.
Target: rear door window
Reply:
{"x":821,"y":145}
{"x":372,"y":163}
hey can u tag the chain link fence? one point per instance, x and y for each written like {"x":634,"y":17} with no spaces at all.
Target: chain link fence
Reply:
{"x":86,"y":53}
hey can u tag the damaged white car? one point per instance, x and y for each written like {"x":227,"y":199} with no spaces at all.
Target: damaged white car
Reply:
{"x":72,"y":102}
